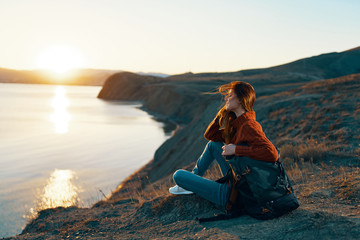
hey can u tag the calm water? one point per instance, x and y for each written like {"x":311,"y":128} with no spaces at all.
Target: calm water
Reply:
{"x":61,"y":145}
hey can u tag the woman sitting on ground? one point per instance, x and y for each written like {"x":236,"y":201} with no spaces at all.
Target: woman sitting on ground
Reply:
{"x":234,"y":131}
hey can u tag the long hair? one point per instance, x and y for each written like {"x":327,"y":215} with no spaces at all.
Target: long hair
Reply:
{"x":246,"y":95}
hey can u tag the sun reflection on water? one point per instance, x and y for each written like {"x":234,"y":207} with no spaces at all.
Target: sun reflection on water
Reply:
{"x":59,"y":192}
{"x":60,"y":117}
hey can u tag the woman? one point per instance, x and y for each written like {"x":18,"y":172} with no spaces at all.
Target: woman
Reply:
{"x":234,"y":131}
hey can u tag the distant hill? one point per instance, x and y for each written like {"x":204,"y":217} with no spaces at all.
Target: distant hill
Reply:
{"x":162,"y":75}
{"x":329,"y":65}
{"x":94,"y":77}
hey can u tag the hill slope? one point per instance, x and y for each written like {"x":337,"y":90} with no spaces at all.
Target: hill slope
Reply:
{"x":329,"y":65}
{"x":328,"y":186}
{"x":182,"y":99}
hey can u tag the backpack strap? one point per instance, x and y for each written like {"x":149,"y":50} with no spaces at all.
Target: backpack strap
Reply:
{"x":225,"y":178}
{"x":235,"y":180}
{"x":220,"y":217}
{"x":284,"y":177}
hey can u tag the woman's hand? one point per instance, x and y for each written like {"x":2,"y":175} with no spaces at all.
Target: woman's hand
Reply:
{"x":228,"y":149}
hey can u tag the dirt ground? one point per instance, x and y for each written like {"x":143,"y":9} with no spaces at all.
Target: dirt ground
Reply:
{"x":323,"y":214}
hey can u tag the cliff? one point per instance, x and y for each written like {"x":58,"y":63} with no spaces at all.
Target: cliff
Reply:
{"x":183,"y":103}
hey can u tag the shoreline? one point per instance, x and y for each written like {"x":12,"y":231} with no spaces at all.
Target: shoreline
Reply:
{"x":170,"y":126}
{"x":27,"y":189}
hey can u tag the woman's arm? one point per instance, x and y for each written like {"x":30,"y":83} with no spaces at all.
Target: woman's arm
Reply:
{"x":259,"y":147}
{"x":213,"y":132}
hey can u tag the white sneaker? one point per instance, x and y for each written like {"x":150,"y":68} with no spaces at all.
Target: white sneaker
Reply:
{"x":179,"y":190}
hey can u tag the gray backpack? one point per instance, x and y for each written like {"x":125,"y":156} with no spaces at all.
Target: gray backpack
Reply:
{"x":260,"y":189}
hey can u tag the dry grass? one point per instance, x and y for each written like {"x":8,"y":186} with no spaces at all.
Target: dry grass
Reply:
{"x":305,"y":166}
{"x":213,"y":173}
{"x":298,"y":172}
{"x":149,"y":192}
{"x":347,"y":184}
{"x":310,"y":151}
{"x":357,"y":152}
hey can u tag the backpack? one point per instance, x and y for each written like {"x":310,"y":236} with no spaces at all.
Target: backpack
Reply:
{"x":260,"y":189}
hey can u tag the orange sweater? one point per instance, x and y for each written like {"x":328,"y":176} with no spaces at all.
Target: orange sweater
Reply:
{"x":248,"y":131}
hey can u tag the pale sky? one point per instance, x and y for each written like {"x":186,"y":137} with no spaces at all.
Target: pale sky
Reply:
{"x":172,"y":36}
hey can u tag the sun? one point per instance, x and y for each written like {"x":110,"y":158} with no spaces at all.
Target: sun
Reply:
{"x":60,"y":59}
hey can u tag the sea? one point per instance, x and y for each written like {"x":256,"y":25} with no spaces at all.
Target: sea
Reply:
{"x":62,"y":146}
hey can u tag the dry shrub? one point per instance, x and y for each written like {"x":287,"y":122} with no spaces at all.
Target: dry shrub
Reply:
{"x":310,"y":151}
{"x":140,"y":190}
{"x":289,"y":153}
{"x":357,"y":152}
{"x":276,"y":113}
{"x":342,"y":134}
{"x":155,"y":190}
{"x":296,"y":172}
{"x":214,"y":172}
{"x":348,"y":184}
{"x":298,"y":159}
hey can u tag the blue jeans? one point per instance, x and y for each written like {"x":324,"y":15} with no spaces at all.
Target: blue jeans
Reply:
{"x":215,"y":192}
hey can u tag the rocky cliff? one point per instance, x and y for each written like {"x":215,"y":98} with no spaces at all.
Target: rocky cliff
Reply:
{"x":185,"y":103}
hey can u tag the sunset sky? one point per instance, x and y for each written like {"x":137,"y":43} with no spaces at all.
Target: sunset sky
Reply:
{"x":172,"y":36}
